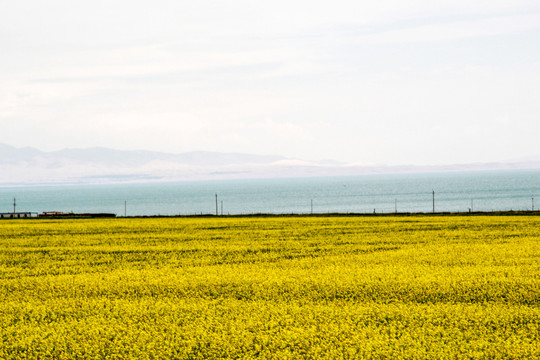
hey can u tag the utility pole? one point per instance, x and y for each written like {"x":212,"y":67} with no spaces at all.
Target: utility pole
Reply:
{"x":532,"y":203}
{"x":14,"y":206}
{"x":434,"y":201}
{"x":221,"y":207}
{"x":216,"y":206}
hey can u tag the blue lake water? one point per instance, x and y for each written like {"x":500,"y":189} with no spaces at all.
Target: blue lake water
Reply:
{"x":484,"y":191}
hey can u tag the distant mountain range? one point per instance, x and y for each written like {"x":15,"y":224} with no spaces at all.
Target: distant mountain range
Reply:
{"x":20,"y":166}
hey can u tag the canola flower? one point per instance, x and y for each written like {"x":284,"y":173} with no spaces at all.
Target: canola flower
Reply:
{"x":456,"y":287}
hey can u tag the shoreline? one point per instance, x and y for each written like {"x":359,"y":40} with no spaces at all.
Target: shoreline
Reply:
{"x":296,"y":215}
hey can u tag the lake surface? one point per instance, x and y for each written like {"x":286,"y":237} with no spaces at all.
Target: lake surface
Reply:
{"x":483,"y":191}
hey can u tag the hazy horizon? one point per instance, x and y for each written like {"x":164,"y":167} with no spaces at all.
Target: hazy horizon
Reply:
{"x":394,"y":83}
{"x":103,"y":165}
{"x":269,"y":155}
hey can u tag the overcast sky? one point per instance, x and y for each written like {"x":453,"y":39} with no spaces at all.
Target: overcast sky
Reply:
{"x":386,"y":82}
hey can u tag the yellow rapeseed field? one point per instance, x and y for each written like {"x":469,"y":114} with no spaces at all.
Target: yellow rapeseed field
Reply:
{"x":419,"y":287}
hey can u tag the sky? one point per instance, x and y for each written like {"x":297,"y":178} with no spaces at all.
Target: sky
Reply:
{"x":394,"y":82}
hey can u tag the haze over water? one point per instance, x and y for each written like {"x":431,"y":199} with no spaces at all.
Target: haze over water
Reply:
{"x":484,"y":191}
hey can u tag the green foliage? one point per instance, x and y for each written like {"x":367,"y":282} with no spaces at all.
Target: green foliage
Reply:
{"x":276,"y":288}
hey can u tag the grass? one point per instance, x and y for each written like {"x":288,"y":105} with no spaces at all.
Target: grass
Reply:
{"x":457,"y":287}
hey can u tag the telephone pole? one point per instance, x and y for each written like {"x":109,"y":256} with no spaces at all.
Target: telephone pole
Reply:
{"x":216,"y":206}
{"x":14,"y":205}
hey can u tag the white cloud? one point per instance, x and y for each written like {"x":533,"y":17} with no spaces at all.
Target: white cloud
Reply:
{"x":456,"y":30}
{"x":286,"y":130}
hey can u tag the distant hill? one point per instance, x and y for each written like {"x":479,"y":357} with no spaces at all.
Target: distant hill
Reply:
{"x":19,"y":166}
{"x":104,"y":156}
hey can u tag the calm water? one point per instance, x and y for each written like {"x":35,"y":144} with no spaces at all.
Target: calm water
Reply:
{"x":485,"y":191}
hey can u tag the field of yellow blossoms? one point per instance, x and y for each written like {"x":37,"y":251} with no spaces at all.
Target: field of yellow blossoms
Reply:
{"x":417,"y":287}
